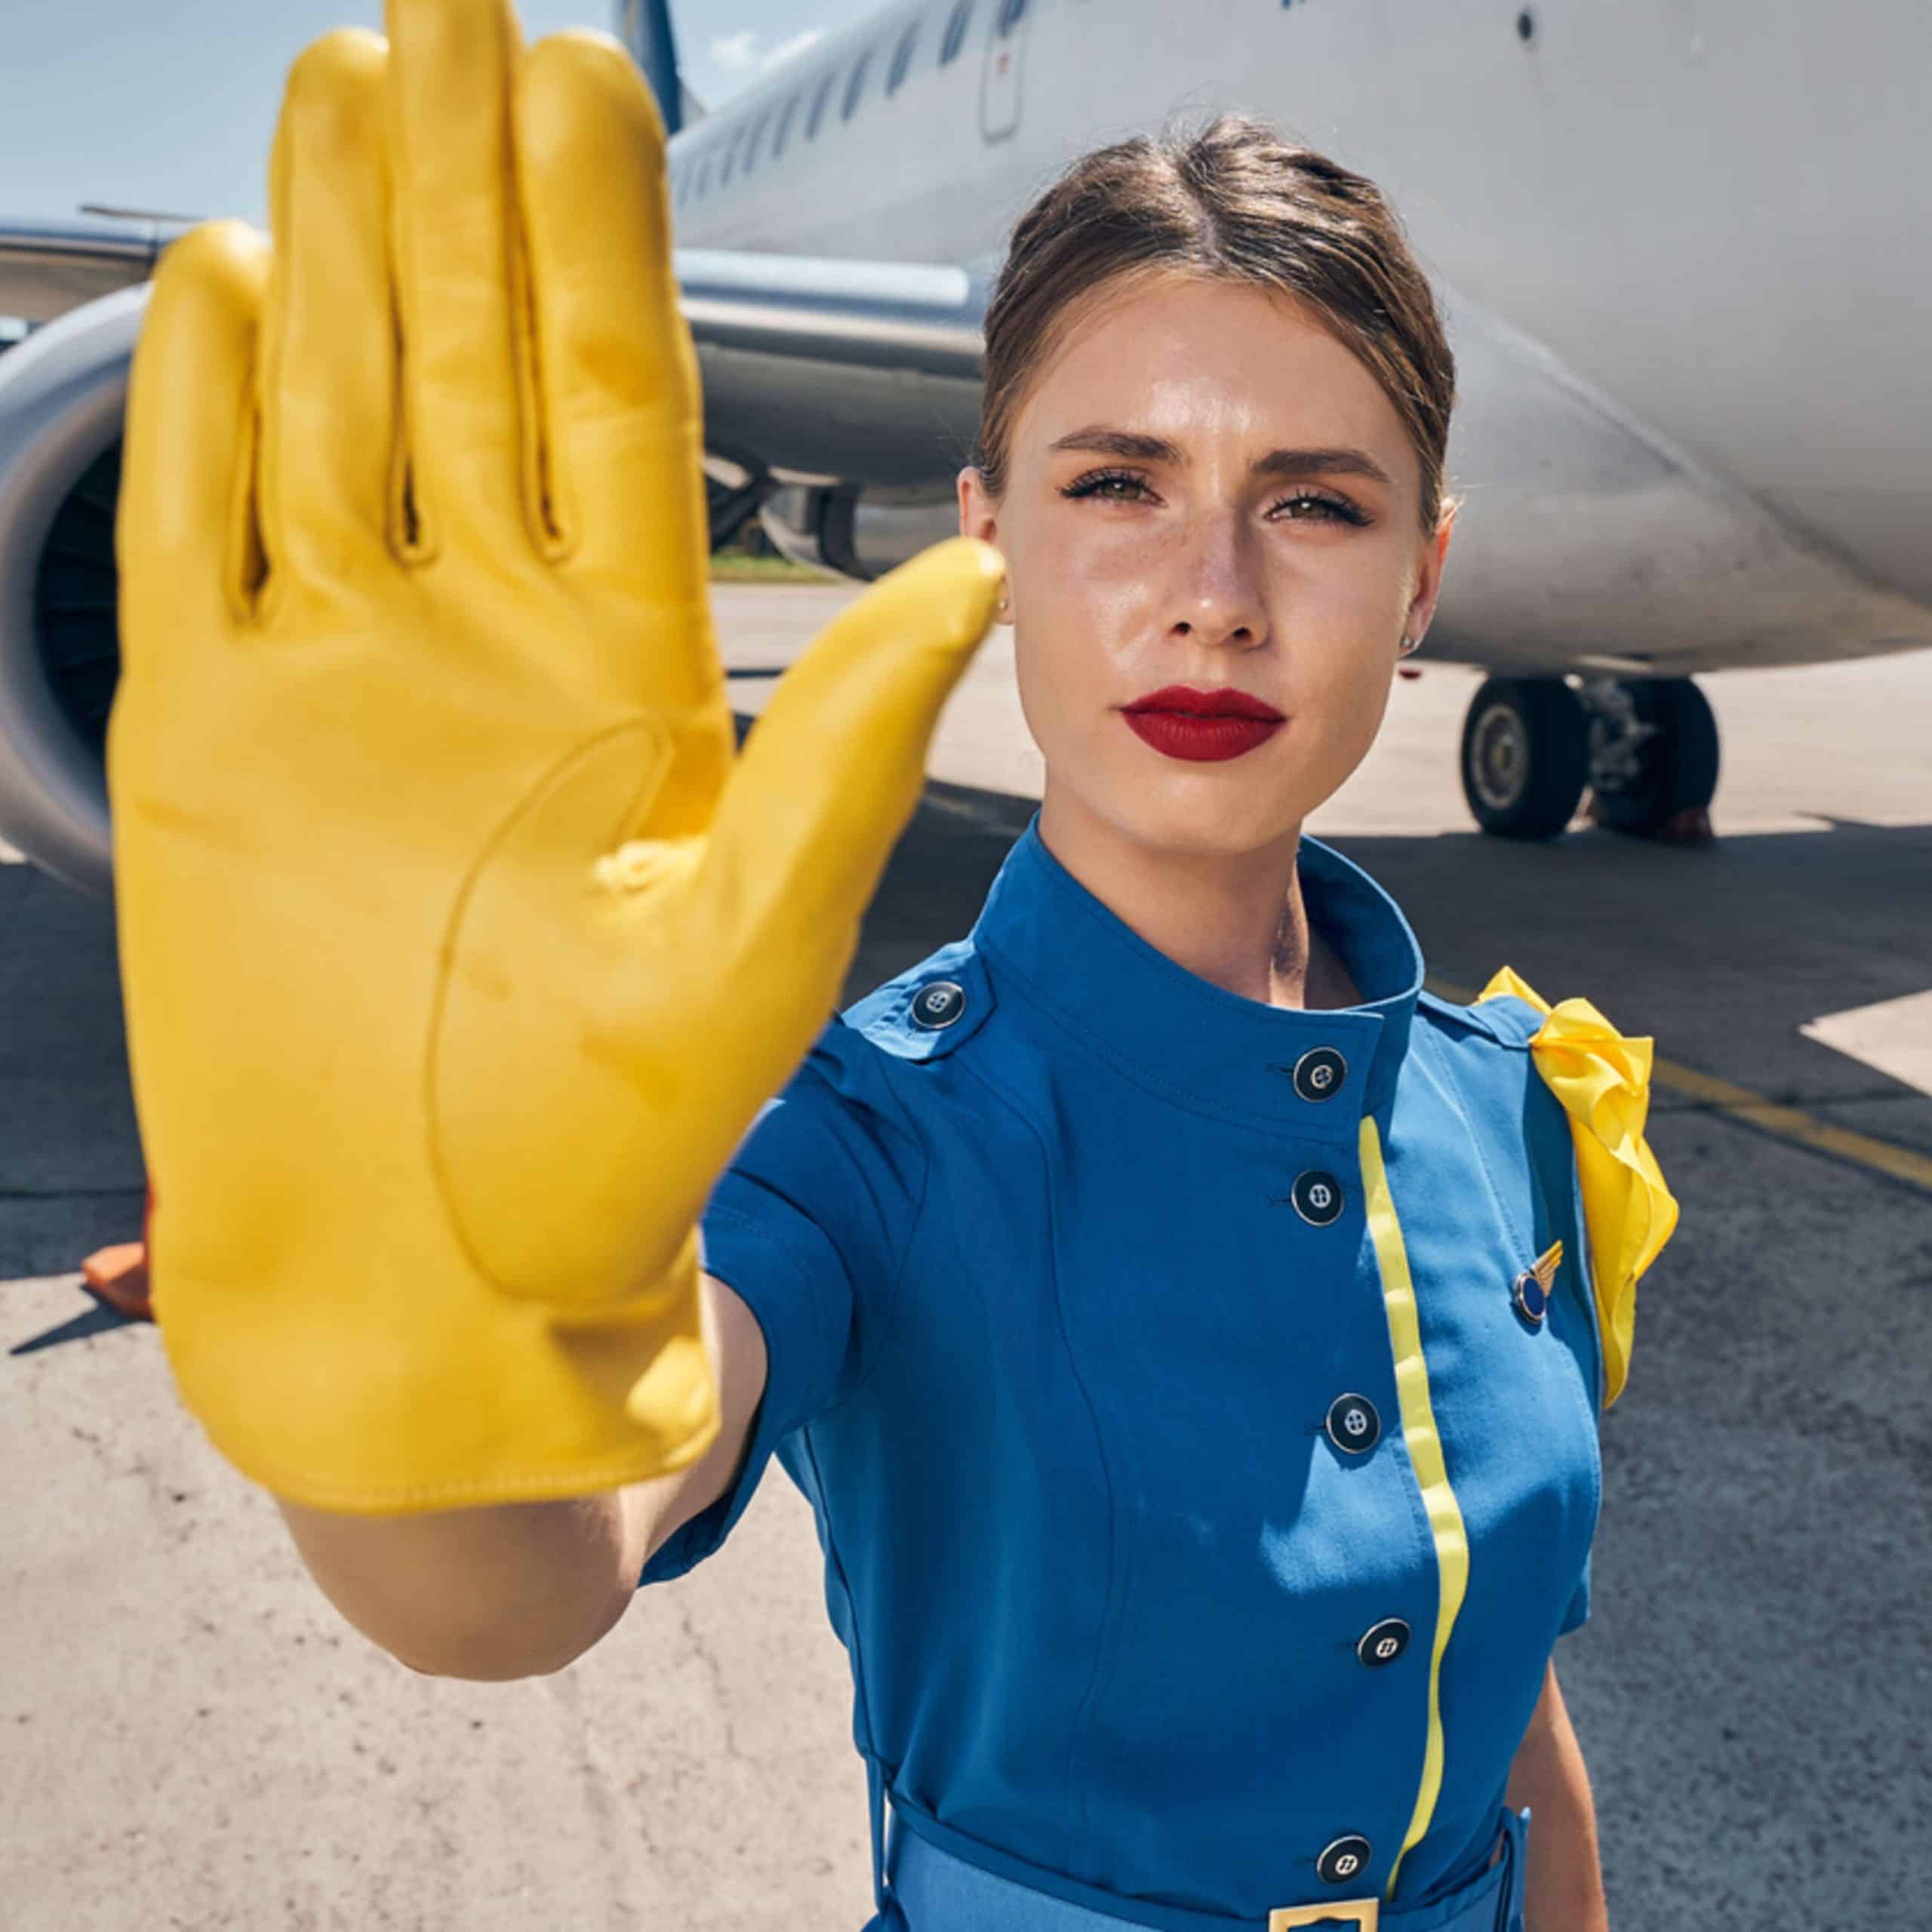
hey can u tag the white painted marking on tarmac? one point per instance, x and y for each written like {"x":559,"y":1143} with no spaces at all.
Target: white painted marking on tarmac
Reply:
{"x":1894,"y":1036}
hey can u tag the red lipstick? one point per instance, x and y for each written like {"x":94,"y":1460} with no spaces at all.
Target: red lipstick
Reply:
{"x":1183,"y":722}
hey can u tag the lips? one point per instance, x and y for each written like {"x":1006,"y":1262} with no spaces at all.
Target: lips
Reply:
{"x":1202,"y":727}
{"x":1186,"y":701}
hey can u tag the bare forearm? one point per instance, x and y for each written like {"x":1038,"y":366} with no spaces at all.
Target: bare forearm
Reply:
{"x":520,"y":1589}
{"x":1564,"y":1887}
{"x":509,"y":1591}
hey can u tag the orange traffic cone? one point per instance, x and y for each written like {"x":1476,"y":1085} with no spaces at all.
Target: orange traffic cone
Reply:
{"x":118,"y":1275}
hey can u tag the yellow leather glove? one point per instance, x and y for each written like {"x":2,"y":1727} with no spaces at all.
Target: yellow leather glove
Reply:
{"x":458,"y":953}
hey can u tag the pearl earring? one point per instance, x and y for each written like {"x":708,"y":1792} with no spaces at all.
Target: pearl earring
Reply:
{"x":1410,"y":644}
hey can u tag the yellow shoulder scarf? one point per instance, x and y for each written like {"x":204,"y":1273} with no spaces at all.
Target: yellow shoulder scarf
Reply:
{"x":1604,"y":1080}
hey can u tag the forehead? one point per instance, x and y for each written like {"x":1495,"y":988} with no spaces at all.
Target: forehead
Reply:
{"x":1184,"y":355}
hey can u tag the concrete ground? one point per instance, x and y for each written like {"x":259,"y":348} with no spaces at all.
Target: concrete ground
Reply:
{"x":190,"y":1737}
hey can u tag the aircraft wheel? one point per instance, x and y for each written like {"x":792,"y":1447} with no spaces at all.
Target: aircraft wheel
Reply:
{"x":1526,"y":756}
{"x":1654,"y":753}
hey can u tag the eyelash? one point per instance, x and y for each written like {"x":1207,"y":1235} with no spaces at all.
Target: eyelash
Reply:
{"x":1341,"y":510}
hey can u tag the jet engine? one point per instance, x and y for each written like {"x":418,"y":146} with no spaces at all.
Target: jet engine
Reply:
{"x":63,"y":396}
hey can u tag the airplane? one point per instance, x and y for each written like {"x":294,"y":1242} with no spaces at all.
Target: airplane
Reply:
{"x":1678,"y":244}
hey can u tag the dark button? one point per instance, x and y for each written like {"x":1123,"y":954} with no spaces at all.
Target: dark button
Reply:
{"x":1353,"y":1424}
{"x":1384,"y":1643}
{"x":1316,"y":1196}
{"x":939,"y":1004}
{"x":1319,"y":1074}
{"x":1345,"y":1861}
{"x":1532,"y":1303}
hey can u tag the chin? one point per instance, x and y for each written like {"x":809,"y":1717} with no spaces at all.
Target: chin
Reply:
{"x":1187,"y":811}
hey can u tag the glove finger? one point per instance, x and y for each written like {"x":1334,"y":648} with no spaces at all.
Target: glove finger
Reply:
{"x":326,"y":380}
{"x":185,"y":538}
{"x":618,"y":393}
{"x":834,"y":766}
{"x":458,"y":270}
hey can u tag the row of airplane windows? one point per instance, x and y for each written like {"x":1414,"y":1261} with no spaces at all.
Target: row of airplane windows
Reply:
{"x":740,"y":150}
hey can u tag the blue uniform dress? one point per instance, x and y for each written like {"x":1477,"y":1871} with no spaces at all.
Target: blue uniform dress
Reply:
{"x":1205,"y":1465}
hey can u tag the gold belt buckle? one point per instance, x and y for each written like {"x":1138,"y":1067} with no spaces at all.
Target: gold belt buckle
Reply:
{"x":1364,"y":1912}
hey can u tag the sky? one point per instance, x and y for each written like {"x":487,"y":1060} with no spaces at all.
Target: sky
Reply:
{"x":172,"y":107}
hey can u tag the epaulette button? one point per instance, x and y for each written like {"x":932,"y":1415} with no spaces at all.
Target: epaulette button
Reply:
{"x":939,"y":1004}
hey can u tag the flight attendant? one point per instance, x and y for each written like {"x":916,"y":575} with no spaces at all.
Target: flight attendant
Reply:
{"x":1190,"y":1333}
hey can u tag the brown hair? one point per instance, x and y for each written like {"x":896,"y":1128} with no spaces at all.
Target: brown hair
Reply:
{"x":1233,"y":202}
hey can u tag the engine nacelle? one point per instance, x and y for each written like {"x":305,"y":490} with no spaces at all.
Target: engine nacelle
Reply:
{"x":64,"y":394}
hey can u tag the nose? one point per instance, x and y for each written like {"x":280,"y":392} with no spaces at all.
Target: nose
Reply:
{"x":1218,"y":598}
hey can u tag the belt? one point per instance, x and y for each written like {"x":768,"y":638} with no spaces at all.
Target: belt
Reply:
{"x":924,"y":1886}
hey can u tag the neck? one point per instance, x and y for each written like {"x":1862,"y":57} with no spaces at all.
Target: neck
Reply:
{"x":1235,"y":919}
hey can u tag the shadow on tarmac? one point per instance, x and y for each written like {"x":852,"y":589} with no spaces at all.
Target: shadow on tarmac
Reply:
{"x":1752,"y":1691}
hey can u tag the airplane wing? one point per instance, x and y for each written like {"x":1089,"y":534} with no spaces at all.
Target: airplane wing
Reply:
{"x":840,"y":399}
{"x":48,"y":267}
{"x":866,"y":371}
{"x":861,"y":370}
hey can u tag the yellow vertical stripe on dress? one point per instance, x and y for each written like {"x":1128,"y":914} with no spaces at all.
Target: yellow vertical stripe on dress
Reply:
{"x":1425,"y":1448}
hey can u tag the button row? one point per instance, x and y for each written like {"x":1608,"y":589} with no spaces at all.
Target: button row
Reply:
{"x":1353,"y":1426}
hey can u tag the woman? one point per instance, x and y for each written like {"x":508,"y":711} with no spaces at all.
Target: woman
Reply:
{"x":1190,"y":1333}
{"x":1178,"y":1318}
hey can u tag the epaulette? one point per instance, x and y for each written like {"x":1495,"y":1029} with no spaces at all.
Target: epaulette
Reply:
{"x":1505,"y":1018}
{"x":930,"y":1009}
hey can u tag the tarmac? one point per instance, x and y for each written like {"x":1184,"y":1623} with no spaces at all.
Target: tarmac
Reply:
{"x":191,"y":1736}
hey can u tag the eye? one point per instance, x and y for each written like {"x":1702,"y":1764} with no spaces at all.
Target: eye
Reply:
{"x":1327,"y":506}
{"x":1334,"y":510}
{"x":1094,"y":483}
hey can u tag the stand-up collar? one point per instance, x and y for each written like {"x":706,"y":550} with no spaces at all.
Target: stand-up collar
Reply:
{"x":1196,"y":1042}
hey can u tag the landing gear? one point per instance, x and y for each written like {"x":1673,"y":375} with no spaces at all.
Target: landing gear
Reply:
{"x":736,"y":482}
{"x":1526,"y":756}
{"x":1646,"y":748}
{"x":1653,"y":756}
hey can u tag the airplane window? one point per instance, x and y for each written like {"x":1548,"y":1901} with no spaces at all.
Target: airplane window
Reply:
{"x":855,"y":86}
{"x":955,"y":31}
{"x":818,"y":107}
{"x":784,"y":128}
{"x":752,"y":142}
{"x":731,"y":155}
{"x":704,"y":176}
{"x":901,"y":59}
{"x":1011,"y":13}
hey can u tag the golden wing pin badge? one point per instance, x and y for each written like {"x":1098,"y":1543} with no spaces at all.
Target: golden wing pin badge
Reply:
{"x":1531,"y":1289}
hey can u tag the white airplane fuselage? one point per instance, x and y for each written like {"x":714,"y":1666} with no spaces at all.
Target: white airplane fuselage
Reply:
{"x":1681,"y":244}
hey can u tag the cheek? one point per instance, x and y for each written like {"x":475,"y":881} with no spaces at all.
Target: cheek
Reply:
{"x":1045,"y":701}
{"x":1348,"y":707}
{"x":1072,"y":646}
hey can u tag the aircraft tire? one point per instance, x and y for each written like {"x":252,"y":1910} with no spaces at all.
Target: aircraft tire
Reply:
{"x":1678,"y":764}
{"x":1525,"y":756}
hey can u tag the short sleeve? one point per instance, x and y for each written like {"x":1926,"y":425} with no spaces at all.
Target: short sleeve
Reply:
{"x":1578,"y":1614}
{"x":807,"y":1225}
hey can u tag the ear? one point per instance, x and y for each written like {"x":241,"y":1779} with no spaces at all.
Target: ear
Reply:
{"x":1433,"y":553}
{"x":977,"y":517}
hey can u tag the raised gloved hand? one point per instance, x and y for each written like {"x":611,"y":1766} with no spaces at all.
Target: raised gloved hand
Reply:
{"x":458,"y":953}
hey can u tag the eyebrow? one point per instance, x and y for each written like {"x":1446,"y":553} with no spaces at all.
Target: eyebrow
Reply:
{"x":1283,"y":465}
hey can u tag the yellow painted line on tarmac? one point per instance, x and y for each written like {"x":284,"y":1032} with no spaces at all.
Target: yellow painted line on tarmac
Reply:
{"x":1790,"y":1124}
